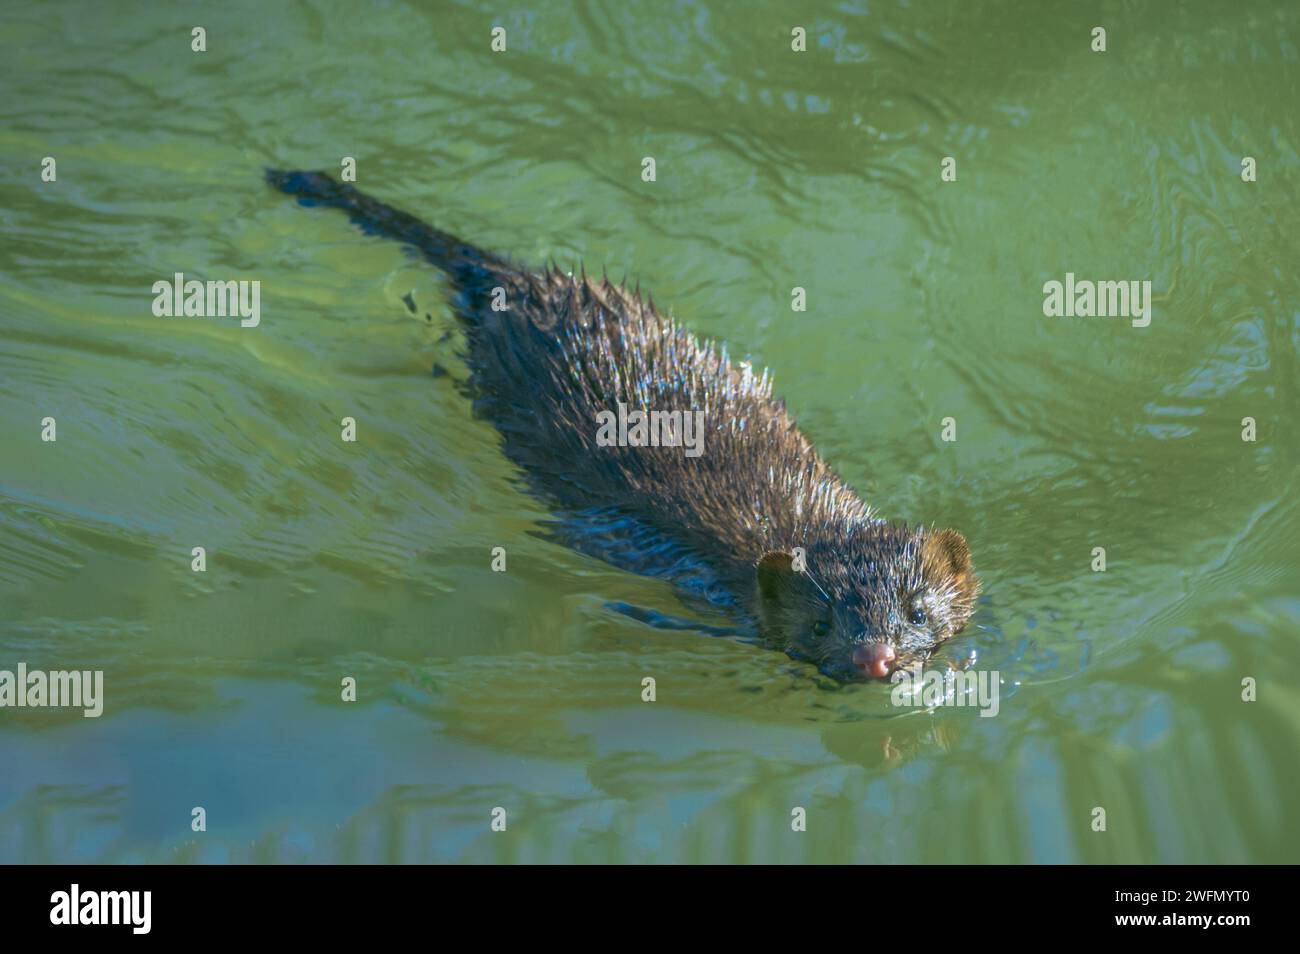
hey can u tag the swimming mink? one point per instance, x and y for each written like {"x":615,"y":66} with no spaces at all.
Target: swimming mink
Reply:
{"x":551,"y":355}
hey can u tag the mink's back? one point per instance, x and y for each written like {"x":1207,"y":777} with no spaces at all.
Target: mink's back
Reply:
{"x":568,"y":348}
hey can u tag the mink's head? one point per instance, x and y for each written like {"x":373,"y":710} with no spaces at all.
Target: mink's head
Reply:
{"x":871,"y":602}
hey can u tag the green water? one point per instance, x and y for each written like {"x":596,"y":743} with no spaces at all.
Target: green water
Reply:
{"x":775,"y":169}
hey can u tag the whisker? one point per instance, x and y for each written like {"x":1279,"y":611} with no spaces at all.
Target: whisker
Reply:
{"x":813,"y":580}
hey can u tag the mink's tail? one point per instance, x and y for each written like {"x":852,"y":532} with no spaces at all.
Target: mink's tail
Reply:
{"x":466,"y":264}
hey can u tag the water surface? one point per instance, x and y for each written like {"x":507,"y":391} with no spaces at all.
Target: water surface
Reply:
{"x":775,"y":169}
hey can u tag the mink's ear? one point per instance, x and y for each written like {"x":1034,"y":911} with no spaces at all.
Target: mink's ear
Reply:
{"x":776,"y":574}
{"x":947,"y":554}
{"x":947,"y":551}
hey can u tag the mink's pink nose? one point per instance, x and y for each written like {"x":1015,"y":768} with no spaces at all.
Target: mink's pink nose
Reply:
{"x":874,"y":659}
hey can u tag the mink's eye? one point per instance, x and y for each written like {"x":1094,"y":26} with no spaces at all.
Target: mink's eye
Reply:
{"x":918,"y":616}
{"x":821,"y":628}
